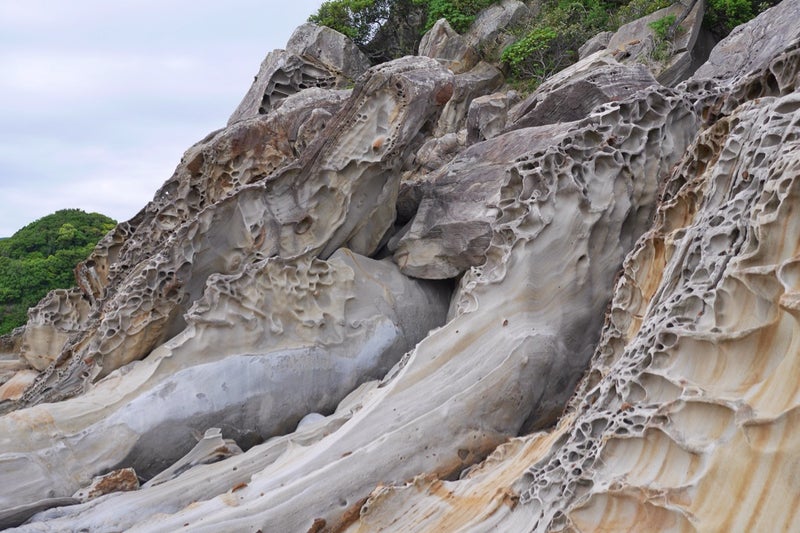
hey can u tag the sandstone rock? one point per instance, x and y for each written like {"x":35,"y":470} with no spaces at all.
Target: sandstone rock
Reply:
{"x":595,"y":44}
{"x":635,"y":43}
{"x":330,"y":47}
{"x":443,"y":44}
{"x":21,"y":378}
{"x":61,"y":314}
{"x":487,"y":30}
{"x":586,"y":84}
{"x":487,"y":115}
{"x":262,"y":349}
{"x":481,"y":80}
{"x":689,"y":402}
{"x":314,"y":57}
{"x":340,"y":193}
{"x":750,"y":47}
{"x":121,"y":480}
{"x":210,"y":449}
{"x":431,"y":156}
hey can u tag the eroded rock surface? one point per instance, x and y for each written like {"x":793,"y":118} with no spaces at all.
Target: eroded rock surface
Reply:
{"x":586,"y":84}
{"x":315,"y":56}
{"x":340,"y":376}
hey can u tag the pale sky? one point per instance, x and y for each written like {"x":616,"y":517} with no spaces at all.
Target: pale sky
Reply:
{"x":100,"y":98}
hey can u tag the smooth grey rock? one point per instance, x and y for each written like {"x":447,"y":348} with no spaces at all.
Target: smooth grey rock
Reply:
{"x":17,"y":515}
{"x":753,"y":45}
{"x":329,"y":47}
{"x":315,"y":56}
{"x":595,"y":44}
{"x":487,"y":115}
{"x":443,"y":44}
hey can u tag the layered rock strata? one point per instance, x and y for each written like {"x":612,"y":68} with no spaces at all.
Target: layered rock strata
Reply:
{"x":692,"y":393}
{"x":691,"y":390}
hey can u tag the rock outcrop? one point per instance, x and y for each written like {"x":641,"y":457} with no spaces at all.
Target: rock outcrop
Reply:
{"x":421,"y":306}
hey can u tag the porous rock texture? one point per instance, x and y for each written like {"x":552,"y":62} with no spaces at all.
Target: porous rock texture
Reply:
{"x":640,"y":258}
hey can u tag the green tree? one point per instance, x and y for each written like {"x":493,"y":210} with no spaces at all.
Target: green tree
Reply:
{"x":42,"y":256}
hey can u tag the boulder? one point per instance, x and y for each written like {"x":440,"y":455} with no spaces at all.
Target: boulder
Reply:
{"x":595,"y":44}
{"x":443,"y":44}
{"x":330,"y":48}
{"x":752,"y":46}
{"x":487,"y":115}
{"x":315,"y":56}
{"x":483,"y":79}
{"x":588,"y":83}
{"x":430,"y":157}
{"x":488,"y":30}
{"x":636,"y":42}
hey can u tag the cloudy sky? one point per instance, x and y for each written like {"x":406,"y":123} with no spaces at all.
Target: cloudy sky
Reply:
{"x":99,"y":98}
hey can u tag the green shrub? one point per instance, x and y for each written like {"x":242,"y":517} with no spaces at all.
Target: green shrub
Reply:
{"x":459,"y":13}
{"x":662,"y":26}
{"x":527,"y":57}
{"x":41,"y":257}
{"x":552,"y":41}
{"x":724,"y":15}
{"x":357,"y":19}
{"x":362,"y":20}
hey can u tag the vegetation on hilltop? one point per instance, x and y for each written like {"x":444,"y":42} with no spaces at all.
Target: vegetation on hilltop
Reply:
{"x":41,"y":257}
{"x":387,"y":29}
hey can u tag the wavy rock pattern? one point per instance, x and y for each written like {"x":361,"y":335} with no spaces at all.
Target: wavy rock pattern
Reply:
{"x":254,"y":313}
{"x":692,"y":393}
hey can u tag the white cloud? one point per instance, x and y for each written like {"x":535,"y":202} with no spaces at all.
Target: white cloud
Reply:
{"x":100,"y":99}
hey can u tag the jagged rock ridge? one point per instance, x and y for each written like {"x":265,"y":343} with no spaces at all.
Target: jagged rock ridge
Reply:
{"x":244,"y":298}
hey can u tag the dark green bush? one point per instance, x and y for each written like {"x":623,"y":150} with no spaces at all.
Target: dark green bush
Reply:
{"x":372,"y":23}
{"x":459,"y":13}
{"x":724,"y":15}
{"x":552,"y":41}
{"x":357,"y":19}
{"x":41,"y":257}
{"x":662,"y":26}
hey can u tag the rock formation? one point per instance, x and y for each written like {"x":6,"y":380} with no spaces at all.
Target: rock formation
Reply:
{"x":367,"y":310}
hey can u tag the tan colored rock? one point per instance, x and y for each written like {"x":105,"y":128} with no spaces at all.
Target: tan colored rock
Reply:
{"x":443,"y":44}
{"x":636,"y":42}
{"x":15,"y":386}
{"x":483,"y":79}
{"x":121,"y":480}
{"x":61,"y":314}
{"x":487,"y":115}
{"x":315,"y":56}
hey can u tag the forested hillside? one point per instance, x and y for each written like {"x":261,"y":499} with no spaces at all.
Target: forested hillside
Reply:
{"x":41,"y":257}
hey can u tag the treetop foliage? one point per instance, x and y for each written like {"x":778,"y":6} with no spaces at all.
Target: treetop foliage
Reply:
{"x":42,"y":256}
{"x":387,"y":29}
